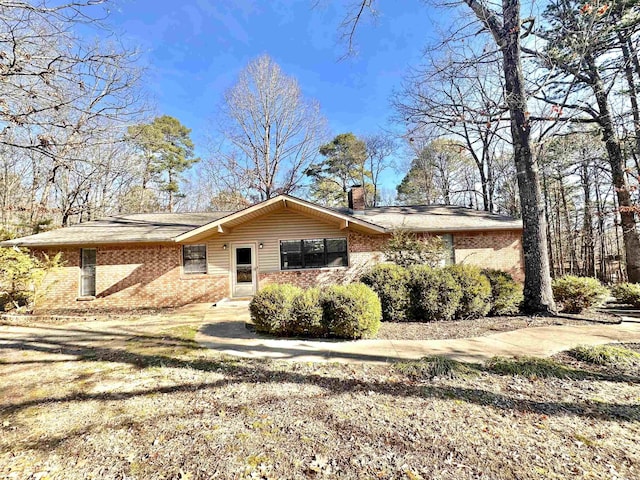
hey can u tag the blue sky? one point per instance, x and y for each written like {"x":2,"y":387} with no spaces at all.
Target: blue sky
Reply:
{"x":194,"y":50}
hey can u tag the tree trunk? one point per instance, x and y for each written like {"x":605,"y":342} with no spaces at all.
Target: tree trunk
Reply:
{"x":616,"y":160}
{"x":587,"y":225}
{"x":547,"y":208}
{"x":538,"y":296}
{"x":625,"y":45}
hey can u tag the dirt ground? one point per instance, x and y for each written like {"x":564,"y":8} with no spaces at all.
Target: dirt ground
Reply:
{"x":480,"y":327}
{"x":143,"y":401}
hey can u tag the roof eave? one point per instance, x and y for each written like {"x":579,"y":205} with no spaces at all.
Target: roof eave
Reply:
{"x":465,"y":229}
{"x":58,"y":244}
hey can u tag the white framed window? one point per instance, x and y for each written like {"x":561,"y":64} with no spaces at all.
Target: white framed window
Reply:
{"x":194,"y":259}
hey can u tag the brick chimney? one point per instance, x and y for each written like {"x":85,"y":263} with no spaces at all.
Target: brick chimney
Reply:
{"x":356,"y":199}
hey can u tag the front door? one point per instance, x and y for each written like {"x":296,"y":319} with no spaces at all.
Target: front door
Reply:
{"x":244,"y":275}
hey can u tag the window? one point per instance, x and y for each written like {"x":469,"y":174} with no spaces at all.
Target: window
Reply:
{"x":194,"y":258}
{"x":88,"y":272}
{"x":313,"y":253}
{"x":449,"y":252}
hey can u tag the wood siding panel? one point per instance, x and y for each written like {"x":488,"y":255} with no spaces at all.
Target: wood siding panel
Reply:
{"x":269,"y":229}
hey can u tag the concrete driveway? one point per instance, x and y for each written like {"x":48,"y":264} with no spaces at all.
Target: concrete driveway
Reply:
{"x":224,"y":329}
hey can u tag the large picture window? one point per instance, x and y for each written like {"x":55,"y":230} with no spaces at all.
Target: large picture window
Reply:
{"x":313,"y":253}
{"x":194,"y":258}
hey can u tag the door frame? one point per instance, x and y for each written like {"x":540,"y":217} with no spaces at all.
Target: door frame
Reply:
{"x":254,"y":266}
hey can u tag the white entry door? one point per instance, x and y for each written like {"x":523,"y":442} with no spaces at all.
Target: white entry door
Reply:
{"x":244,"y":271}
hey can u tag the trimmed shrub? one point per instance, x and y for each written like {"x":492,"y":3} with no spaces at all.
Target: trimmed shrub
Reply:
{"x":389,"y":281}
{"x":577,"y":294}
{"x":17,"y":300}
{"x":627,"y":293}
{"x":433,"y":294}
{"x":351,"y":311}
{"x":506,"y":293}
{"x":306,"y":314}
{"x":271,"y":308}
{"x":476,"y":291}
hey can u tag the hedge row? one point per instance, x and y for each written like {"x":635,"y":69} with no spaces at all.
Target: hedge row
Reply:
{"x":422,"y":293}
{"x":341,"y":311}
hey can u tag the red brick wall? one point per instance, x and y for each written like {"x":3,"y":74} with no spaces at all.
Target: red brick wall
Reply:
{"x":132,"y":277}
{"x":501,"y":250}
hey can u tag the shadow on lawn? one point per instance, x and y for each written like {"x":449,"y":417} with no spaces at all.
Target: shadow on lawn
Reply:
{"x":87,"y":349}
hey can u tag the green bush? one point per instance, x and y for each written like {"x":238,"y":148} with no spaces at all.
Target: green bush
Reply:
{"x":627,"y":293}
{"x":433,"y":294}
{"x":436,"y":366}
{"x":407,"y":248}
{"x":476,"y":291}
{"x":389,"y":281}
{"x":577,"y":294}
{"x":271,"y":308}
{"x":532,"y":367}
{"x":307,"y":314}
{"x":351,"y":311}
{"x":22,"y":277}
{"x":506,"y":293}
{"x":608,"y":355}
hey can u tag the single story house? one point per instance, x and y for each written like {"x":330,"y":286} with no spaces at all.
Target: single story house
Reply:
{"x":172,"y":259}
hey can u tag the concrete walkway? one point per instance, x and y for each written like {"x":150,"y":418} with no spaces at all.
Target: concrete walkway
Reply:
{"x":224,"y":330}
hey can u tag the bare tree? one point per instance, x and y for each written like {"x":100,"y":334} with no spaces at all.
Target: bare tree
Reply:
{"x":505,"y":26}
{"x":62,"y":99}
{"x":462,"y":98}
{"x":271,"y":131}
{"x":584,"y":47}
{"x":380,"y":148}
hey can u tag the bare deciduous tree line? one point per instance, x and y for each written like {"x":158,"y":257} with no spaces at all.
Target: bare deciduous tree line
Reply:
{"x":62,"y":102}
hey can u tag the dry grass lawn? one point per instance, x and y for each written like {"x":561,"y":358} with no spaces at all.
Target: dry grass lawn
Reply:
{"x":145,"y":402}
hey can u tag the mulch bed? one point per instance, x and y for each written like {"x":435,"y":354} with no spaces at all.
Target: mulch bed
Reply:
{"x":484,"y":326}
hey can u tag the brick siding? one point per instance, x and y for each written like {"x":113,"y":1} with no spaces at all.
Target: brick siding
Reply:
{"x":501,"y":250}
{"x":138,"y":276}
{"x":131,"y":277}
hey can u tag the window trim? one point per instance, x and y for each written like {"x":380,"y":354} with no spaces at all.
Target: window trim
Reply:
{"x":301,"y":240}
{"x":206,"y":259}
{"x":81,"y":292}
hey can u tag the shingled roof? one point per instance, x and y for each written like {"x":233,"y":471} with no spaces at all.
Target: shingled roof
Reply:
{"x":438,"y":218}
{"x":166,"y":227}
{"x":135,"y":228}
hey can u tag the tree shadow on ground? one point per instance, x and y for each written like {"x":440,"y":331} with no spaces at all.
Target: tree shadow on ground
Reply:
{"x":257,"y":372}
